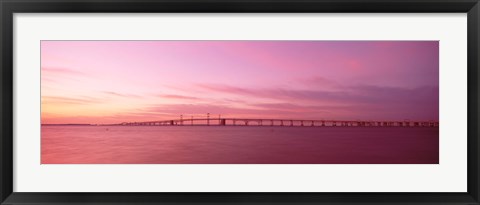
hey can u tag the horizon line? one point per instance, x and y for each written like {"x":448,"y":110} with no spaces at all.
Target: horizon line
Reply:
{"x":240,"y":119}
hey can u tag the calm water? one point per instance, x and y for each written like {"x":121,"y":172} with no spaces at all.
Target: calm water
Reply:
{"x":237,"y":145}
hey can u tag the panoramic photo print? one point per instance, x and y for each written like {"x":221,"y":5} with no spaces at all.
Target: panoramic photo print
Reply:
{"x":239,"y":102}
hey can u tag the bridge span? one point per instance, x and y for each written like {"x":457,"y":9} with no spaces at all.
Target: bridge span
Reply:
{"x":281,"y":122}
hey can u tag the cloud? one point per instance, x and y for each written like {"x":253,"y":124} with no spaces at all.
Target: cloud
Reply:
{"x":70,"y":100}
{"x":279,"y":93}
{"x":351,"y":94}
{"x":296,"y":108}
{"x":195,"y":109}
{"x":182,"y":97}
{"x":121,"y":94}
{"x":227,"y":89}
{"x":362,"y":101}
{"x":61,"y":71}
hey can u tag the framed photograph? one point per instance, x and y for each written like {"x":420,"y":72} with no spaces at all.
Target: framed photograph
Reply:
{"x":239,"y":102}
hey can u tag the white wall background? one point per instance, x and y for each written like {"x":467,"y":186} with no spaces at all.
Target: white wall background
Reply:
{"x":448,"y":176}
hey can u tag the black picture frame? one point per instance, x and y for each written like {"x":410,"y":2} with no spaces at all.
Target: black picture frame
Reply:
{"x":9,"y":7}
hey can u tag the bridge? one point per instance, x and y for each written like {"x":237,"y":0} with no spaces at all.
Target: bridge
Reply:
{"x":281,"y":122}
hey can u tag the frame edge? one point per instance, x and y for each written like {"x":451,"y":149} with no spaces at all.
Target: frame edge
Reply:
{"x":6,"y":93}
{"x":7,"y":195}
{"x":473,"y":38}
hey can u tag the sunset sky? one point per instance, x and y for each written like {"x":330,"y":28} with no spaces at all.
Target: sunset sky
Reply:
{"x":119,"y":81}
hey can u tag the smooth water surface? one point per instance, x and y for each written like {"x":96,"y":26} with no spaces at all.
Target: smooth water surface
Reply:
{"x":238,"y":145}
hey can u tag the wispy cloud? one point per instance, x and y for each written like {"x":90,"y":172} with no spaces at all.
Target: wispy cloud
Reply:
{"x":70,"y":100}
{"x":351,"y":94}
{"x":420,"y":101}
{"x":181,"y":97}
{"x":227,"y":89}
{"x":62,"y":71}
{"x":121,"y":94}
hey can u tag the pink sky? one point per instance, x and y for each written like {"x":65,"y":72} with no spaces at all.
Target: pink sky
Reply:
{"x":118,"y":81}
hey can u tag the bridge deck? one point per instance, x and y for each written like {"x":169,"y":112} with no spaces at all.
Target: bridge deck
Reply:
{"x":281,"y":122}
